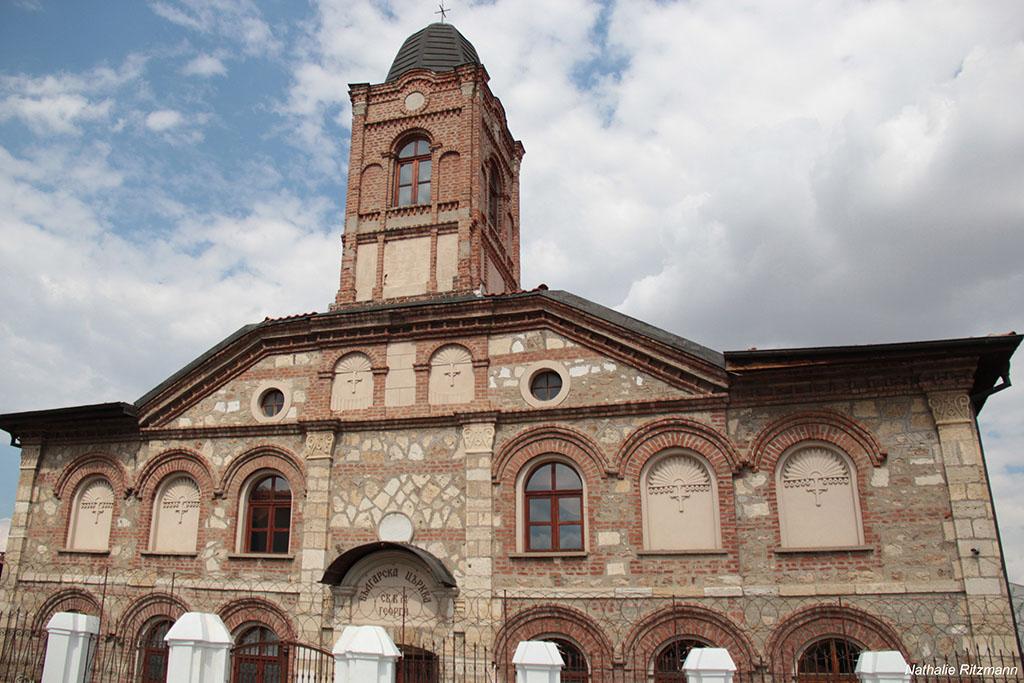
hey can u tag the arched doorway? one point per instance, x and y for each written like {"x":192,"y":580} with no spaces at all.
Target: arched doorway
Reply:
{"x":828,"y":660}
{"x":417,"y":666}
{"x":668,"y":663}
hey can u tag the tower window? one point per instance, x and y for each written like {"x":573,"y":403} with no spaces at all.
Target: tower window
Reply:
{"x":413,"y":174}
{"x":493,"y":197}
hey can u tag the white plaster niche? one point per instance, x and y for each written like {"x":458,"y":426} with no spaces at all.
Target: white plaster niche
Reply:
{"x":353,"y":383}
{"x":396,"y":528}
{"x":176,"y":516}
{"x":92,"y":514}
{"x":818,"y":504}
{"x":680,"y":503}
{"x":451,"y":376}
{"x":415,"y":101}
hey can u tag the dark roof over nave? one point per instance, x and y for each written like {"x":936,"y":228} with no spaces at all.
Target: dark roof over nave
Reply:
{"x":438,"y":47}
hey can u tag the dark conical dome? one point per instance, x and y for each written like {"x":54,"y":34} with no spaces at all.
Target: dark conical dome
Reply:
{"x":438,"y":47}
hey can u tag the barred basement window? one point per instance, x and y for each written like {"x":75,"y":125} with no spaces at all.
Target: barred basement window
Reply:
{"x":155,"y":652}
{"x":668,"y":666}
{"x":259,"y":656}
{"x":829,"y":659}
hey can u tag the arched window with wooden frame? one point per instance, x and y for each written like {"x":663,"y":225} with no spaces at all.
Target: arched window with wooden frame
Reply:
{"x":412,"y":172}
{"x":268,"y":514}
{"x":668,"y":663}
{"x":258,"y":656}
{"x":553,"y":508}
{"x":828,"y":660}
{"x":494,"y":196}
{"x":153,"y":651}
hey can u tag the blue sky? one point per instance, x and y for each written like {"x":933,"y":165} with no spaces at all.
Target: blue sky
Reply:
{"x":782,"y":173}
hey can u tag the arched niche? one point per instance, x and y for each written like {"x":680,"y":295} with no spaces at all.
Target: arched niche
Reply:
{"x":352,"y":388}
{"x":816,"y":486}
{"x":175,"y":515}
{"x":388,"y":583}
{"x":680,"y":503}
{"x":92,"y":514}
{"x":451,"y":375}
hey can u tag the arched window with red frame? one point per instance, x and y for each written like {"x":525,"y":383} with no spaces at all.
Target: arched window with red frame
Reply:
{"x":553,"y":497}
{"x":412,"y":173}
{"x":268,"y":517}
{"x":154,"y":652}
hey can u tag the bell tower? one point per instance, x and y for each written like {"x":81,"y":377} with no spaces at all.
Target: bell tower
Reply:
{"x":433,"y":181}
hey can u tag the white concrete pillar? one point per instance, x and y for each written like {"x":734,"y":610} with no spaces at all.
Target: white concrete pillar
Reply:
{"x":199,"y":649}
{"x":365,"y":654}
{"x":709,"y":665}
{"x":69,"y":647}
{"x":886,"y":666}
{"x":537,"y":662}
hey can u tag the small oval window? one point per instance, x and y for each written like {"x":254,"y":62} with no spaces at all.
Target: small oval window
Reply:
{"x":272,"y":402}
{"x":546,"y":385}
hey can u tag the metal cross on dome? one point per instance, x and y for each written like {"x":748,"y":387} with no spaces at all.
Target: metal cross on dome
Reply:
{"x":443,"y":11}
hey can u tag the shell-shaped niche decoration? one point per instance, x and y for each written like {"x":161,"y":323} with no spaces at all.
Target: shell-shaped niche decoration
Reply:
{"x":180,"y":498}
{"x":451,"y":375}
{"x":815,"y":470}
{"x":353,"y":383}
{"x":97,"y":498}
{"x":678,"y":477}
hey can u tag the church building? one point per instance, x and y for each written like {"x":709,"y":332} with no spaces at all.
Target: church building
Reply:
{"x":470,"y":464}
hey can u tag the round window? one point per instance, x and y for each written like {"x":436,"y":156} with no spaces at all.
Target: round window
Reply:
{"x":272,"y":402}
{"x":545,"y":385}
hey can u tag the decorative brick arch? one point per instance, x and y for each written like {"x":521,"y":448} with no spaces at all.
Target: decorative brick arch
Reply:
{"x":69,"y":600}
{"x":825,"y":425}
{"x":89,"y":465}
{"x":655,"y":437}
{"x":650,"y":441}
{"x":810,"y":624}
{"x":238,"y":613}
{"x":175,"y":461}
{"x":556,"y":620}
{"x":525,"y":446}
{"x":682,"y":621}
{"x":263,"y":457}
{"x":141,"y":612}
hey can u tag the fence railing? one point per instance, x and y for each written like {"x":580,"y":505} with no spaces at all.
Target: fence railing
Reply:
{"x":471,"y":638}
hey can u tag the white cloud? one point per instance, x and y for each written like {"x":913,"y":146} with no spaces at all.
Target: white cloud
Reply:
{"x":237,"y":20}
{"x":5,"y":530}
{"x":164,"y":119}
{"x":60,"y":103}
{"x":206,"y":66}
{"x":136,"y":310}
